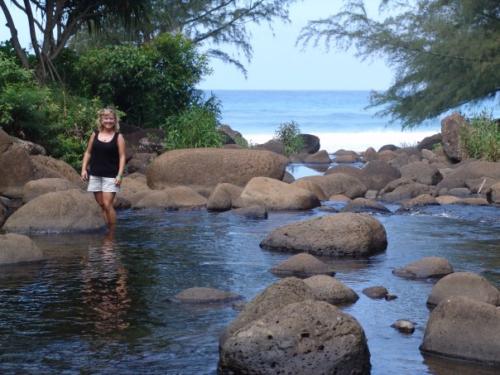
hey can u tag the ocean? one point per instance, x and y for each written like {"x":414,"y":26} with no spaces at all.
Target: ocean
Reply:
{"x":339,"y":118}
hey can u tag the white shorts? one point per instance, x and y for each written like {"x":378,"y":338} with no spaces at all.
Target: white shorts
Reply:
{"x":104,"y":184}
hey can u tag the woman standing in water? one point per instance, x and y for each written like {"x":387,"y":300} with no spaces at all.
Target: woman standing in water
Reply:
{"x":106,"y":154}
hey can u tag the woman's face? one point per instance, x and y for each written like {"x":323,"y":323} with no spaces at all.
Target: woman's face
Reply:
{"x":108,"y":120}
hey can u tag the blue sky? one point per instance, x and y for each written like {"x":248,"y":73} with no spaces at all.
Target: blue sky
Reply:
{"x":278,"y":64}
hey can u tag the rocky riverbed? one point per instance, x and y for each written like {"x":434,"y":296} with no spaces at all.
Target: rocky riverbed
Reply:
{"x":220,"y":224}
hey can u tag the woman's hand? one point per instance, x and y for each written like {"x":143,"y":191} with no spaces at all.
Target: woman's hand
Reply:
{"x":84,"y":175}
{"x":118,"y":180}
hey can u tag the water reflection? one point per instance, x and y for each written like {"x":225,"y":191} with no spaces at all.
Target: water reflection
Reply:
{"x":105,"y":286}
{"x":99,"y":304}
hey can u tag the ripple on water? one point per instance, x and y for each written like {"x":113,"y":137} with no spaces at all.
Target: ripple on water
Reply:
{"x":101,"y":304}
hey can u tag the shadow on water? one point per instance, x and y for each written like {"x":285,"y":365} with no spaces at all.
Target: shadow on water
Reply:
{"x":101,"y":304}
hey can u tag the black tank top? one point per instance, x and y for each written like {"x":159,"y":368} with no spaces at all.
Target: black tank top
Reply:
{"x":104,"y":157}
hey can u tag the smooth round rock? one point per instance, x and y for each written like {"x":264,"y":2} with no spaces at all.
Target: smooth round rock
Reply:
{"x":302,"y":265}
{"x":62,"y":211}
{"x":18,"y":248}
{"x":341,"y":235}
{"x":427,"y":267}
{"x":223,"y":196}
{"x":404,"y":326}
{"x":277,"y":195}
{"x":375,"y":292}
{"x":466,"y":329}
{"x":181,"y":197}
{"x":464,"y":284}
{"x":331,"y":290}
{"x":206,"y":295}
{"x":35,"y":188}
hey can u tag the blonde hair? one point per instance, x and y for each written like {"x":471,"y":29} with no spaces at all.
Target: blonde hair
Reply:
{"x":106,"y":111}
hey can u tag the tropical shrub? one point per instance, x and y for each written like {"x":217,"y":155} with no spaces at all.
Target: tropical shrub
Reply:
{"x":288,"y":134}
{"x":481,"y":140}
{"x":149,"y":83}
{"x":194,"y":127}
{"x":46,"y":115}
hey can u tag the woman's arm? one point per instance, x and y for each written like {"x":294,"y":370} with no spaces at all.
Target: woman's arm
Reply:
{"x":86,"y":158}
{"x":121,"y":154}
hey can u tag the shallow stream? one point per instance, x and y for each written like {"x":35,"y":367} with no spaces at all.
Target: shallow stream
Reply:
{"x":102,"y":305}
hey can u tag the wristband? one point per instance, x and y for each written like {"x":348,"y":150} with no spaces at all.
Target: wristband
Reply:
{"x":119,"y":177}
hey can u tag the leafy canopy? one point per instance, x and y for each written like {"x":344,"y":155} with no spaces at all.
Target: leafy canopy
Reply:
{"x":207,"y":23}
{"x":446,"y":52}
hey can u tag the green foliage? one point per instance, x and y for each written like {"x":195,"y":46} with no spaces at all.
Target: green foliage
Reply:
{"x":211,"y":23}
{"x":46,"y":115}
{"x":55,"y":22}
{"x":194,"y":127}
{"x":288,"y":134}
{"x":481,"y":139}
{"x":149,"y":83}
{"x":446,"y":52}
{"x":242,"y":142}
{"x":24,"y":105}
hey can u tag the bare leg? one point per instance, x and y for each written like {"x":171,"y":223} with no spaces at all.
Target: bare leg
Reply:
{"x":107,"y":201}
{"x":99,"y":199}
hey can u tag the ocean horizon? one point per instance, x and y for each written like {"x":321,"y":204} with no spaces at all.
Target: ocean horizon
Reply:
{"x":340,"y":118}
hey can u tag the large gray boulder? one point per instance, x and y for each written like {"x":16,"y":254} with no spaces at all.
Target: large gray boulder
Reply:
{"x":273,"y":145}
{"x":451,"y":127}
{"x":134,"y":187}
{"x":29,"y":167}
{"x":223,"y":196}
{"x":427,"y":267}
{"x":276,"y":195}
{"x":312,"y":187}
{"x":341,"y":235}
{"x":17,"y":248}
{"x":302,"y":265}
{"x":309,"y":337}
{"x":35,"y":188}
{"x":464,"y":328}
{"x":311,"y":143}
{"x":320,"y":157}
{"x":62,"y":211}
{"x":493,"y":193}
{"x":180,"y":197}
{"x":338,"y":183}
{"x":464,"y":284}
{"x":211,"y":166}
{"x":47,"y":166}
{"x":459,"y":176}
{"x":140,"y":161}
{"x":420,"y":201}
{"x":404,"y":188}
{"x":375,"y":174}
{"x":421,"y":172}
{"x":274,"y":297}
{"x":331,"y":290}
{"x":429,"y":143}
{"x":13,"y":179}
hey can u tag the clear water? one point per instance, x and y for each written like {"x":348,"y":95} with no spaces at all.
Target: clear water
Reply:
{"x":101,"y":305}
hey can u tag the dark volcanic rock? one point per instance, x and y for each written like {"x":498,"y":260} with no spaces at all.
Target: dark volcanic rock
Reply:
{"x":309,"y":337}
